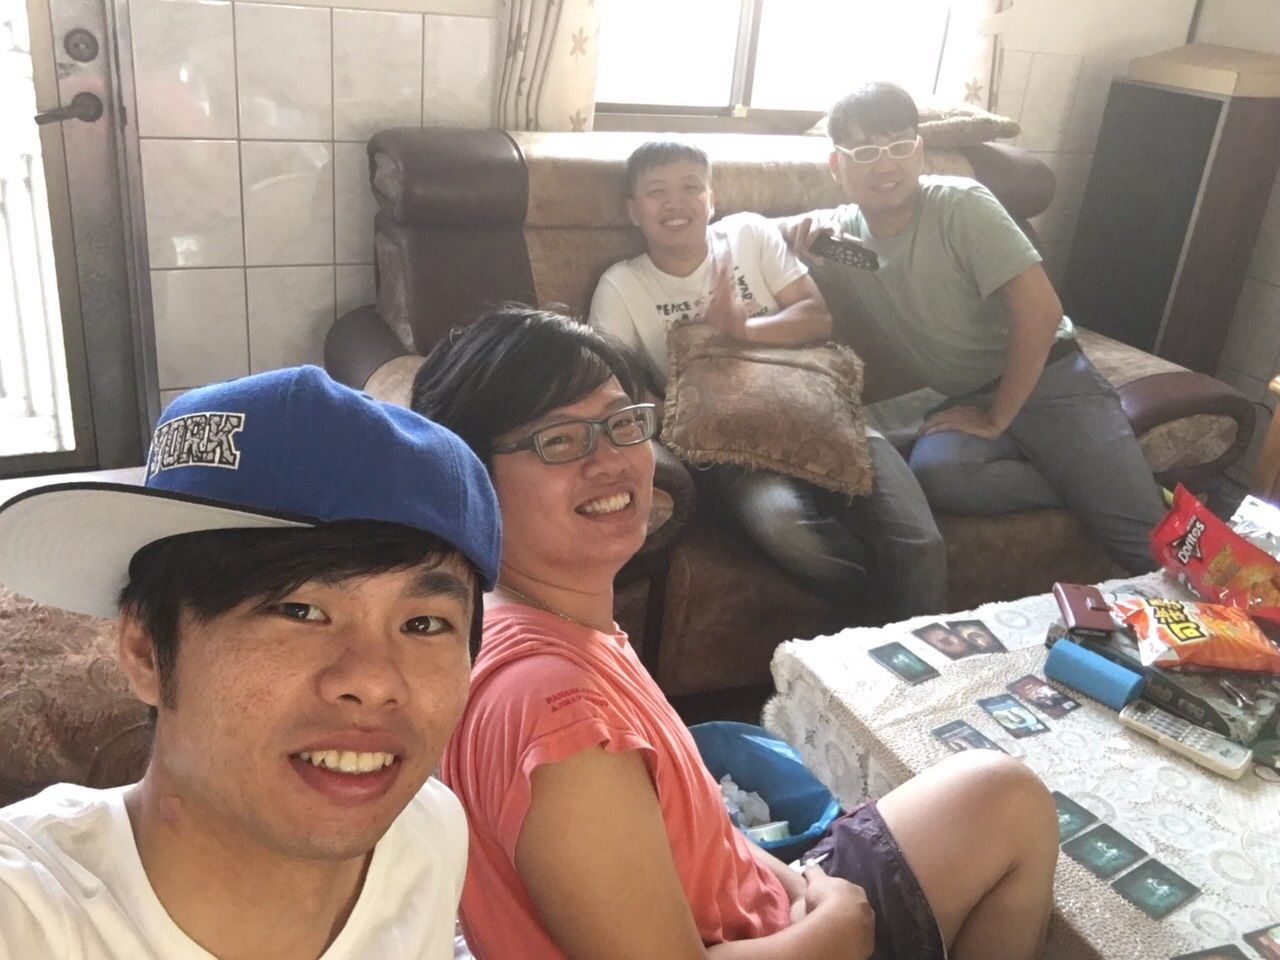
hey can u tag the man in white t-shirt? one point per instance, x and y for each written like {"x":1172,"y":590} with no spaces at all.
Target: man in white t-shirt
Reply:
{"x":738,"y":275}
{"x":300,"y":625}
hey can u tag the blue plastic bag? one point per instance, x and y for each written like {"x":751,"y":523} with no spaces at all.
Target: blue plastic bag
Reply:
{"x":759,"y":761}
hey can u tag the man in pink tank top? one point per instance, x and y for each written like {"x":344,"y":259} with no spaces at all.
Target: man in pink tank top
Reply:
{"x":595,"y":829}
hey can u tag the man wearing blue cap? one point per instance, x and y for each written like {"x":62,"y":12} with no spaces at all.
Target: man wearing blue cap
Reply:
{"x":297,"y":586}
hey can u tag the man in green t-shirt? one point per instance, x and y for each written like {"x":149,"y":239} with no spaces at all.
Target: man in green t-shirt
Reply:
{"x":961,"y":294}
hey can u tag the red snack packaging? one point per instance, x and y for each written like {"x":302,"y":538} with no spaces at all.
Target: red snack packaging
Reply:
{"x":1218,"y":564}
{"x":1178,"y":633}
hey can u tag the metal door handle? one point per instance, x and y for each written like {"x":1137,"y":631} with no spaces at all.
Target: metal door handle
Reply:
{"x":83,"y":106}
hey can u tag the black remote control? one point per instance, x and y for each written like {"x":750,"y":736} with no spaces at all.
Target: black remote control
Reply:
{"x":849,"y":252}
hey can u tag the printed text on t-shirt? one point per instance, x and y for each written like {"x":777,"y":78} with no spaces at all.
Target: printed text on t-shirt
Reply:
{"x":566,"y":698}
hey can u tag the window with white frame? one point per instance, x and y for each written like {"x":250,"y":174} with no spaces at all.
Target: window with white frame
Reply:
{"x":731,"y":56}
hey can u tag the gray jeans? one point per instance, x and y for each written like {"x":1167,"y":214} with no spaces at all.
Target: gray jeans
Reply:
{"x":883,"y":548}
{"x":1070,"y":445}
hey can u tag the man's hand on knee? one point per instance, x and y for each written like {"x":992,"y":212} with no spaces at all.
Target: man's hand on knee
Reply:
{"x":971,"y":420}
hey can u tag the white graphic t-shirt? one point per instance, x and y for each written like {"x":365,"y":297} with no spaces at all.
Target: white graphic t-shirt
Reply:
{"x":72,"y":884}
{"x":637,"y":303}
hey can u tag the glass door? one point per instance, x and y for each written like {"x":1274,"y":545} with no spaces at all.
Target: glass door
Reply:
{"x":36,"y":414}
{"x":76,"y":365}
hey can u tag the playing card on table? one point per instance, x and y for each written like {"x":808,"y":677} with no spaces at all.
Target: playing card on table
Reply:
{"x":1037,"y":693}
{"x":902,"y":662}
{"x":1012,"y":714}
{"x":1072,"y":817}
{"x":1155,"y":889}
{"x":1104,"y":851}
{"x":959,"y":735}
{"x":1228,"y":951}
{"x":978,"y":635}
{"x":945,"y":640}
{"x":1266,"y":941}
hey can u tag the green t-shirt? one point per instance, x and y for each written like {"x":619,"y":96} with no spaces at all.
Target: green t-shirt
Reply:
{"x":935,"y":292}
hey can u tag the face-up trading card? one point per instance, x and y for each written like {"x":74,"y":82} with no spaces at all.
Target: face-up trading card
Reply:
{"x":1072,"y":818}
{"x":958,"y":735}
{"x":977,"y":634}
{"x":1266,"y":941}
{"x":944,"y":640}
{"x":1012,"y":714}
{"x":902,"y":662}
{"x":1228,"y":951}
{"x":1155,"y":889}
{"x":1104,"y":851}
{"x":1049,"y":701}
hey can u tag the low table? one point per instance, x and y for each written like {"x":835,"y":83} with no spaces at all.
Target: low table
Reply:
{"x":862,"y":731}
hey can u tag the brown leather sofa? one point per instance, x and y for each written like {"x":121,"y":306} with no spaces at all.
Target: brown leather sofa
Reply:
{"x":471,"y":218}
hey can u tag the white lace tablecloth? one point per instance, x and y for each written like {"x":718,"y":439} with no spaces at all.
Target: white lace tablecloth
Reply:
{"x":862,"y":732}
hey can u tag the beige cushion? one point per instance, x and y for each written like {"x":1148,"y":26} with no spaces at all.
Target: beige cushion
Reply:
{"x":792,"y":410}
{"x":951,"y":126}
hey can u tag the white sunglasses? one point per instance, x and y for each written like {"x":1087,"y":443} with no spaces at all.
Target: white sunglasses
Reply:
{"x":870,"y":152}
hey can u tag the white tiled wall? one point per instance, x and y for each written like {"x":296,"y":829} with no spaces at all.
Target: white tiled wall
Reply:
{"x":1251,"y":356}
{"x":253,"y":118}
{"x":1054,"y":80}
{"x":1057,"y":63}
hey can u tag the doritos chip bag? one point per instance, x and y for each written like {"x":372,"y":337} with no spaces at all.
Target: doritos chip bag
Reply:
{"x":1177,"y":633}
{"x":1215,"y":561}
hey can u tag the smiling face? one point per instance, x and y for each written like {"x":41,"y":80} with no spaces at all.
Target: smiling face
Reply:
{"x":302,"y":727}
{"x":580,"y":520}
{"x":672,"y":204}
{"x":885,"y":185}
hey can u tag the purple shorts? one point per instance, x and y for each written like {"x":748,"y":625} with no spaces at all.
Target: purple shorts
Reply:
{"x":863,"y":851}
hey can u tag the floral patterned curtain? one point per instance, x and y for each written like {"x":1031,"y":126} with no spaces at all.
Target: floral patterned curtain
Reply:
{"x":549,"y":72}
{"x":970,"y":68}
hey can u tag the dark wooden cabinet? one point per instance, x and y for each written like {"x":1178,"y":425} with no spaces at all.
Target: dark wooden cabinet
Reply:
{"x":1175,"y":197}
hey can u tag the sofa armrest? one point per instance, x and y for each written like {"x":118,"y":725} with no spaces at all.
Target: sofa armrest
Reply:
{"x":1153,"y":401}
{"x":671,"y":481}
{"x":357,"y":344}
{"x":449,"y":237}
{"x":448,"y":178}
{"x":1021,"y":181}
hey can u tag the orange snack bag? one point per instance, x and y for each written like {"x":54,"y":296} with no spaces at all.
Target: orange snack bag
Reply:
{"x":1214,"y":561}
{"x":1177,"y":633}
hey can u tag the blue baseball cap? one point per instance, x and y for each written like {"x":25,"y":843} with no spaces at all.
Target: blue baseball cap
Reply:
{"x":287,"y":448}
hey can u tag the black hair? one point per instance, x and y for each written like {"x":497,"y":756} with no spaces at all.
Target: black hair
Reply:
{"x":512,"y":366}
{"x":211,"y":572}
{"x":657,"y":153}
{"x":876,"y":109}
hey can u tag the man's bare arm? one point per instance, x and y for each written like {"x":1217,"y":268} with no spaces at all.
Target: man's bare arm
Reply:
{"x":802,"y":317}
{"x":1036,"y":313}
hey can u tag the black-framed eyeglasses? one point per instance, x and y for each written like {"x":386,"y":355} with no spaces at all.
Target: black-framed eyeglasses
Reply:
{"x":871,"y":152}
{"x":574,"y":439}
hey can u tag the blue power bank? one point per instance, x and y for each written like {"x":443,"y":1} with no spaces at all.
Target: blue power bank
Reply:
{"x":1092,"y":674}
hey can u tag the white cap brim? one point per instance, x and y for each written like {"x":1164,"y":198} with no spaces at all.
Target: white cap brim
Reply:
{"x":69,"y":545}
